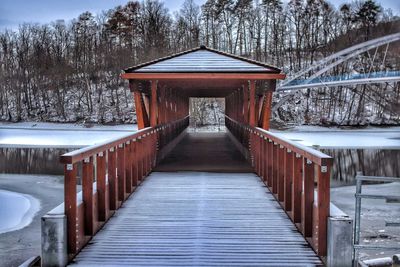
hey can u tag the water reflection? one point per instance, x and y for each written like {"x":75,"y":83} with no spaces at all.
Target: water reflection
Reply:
{"x":346,"y":162}
{"x":31,"y":160}
{"x":373,"y":162}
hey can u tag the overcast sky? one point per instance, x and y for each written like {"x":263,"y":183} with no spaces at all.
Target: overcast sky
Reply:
{"x":15,"y":12}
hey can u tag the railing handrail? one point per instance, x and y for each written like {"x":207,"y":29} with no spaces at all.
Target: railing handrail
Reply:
{"x":308,"y":152}
{"x":85,"y":152}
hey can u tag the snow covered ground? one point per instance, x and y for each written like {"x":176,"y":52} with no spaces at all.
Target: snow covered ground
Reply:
{"x":16,"y":210}
{"x":58,"y":135}
{"x":378,"y":138}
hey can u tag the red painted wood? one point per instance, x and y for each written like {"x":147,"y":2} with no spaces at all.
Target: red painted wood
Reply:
{"x":281,"y":173}
{"x":323,"y":192}
{"x":275,"y":166}
{"x":70,"y":206}
{"x":121,"y":172}
{"x":288,"y":165}
{"x":154,"y":104}
{"x":252,"y":103}
{"x":87,"y":192}
{"x":112,"y":178}
{"x":135,"y":179}
{"x":128,"y":168}
{"x":297,"y":187}
{"x":307,"y":199}
{"x":101,"y":186}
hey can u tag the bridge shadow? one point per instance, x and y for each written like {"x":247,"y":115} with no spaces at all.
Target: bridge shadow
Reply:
{"x":206,"y":152}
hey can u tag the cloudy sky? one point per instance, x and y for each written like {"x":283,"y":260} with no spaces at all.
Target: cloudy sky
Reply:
{"x":14,"y":12}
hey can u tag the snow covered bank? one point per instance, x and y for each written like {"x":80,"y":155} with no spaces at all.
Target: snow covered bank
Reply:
{"x":16,"y":210}
{"x":67,"y":126}
{"x":25,"y":135}
{"x":379,"y":138}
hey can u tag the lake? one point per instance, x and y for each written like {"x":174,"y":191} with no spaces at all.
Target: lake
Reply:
{"x":379,"y":162}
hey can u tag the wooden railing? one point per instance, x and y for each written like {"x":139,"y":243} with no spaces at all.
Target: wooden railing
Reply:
{"x":110,"y":172}
{"x":298,"y":176}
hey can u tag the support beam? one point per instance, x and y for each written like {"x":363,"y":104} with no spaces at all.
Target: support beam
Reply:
{"x":246,"y":103}
{"x":142,"y":116}
{"x":266,"y":110}
{"x":252,"y":119}
{"x":154,"y":104}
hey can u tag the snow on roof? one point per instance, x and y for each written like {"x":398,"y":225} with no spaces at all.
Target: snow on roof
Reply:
{"x":203,"y":60}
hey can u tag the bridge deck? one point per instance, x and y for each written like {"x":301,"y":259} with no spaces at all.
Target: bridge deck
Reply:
{"x":200,"y":218}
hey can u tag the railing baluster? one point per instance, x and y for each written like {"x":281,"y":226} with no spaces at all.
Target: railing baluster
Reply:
{"x":307,"y":198}
{"x":275,"y":167}
{"x":70,"y":206}
{"x":112,"y":178}
{"x":101,"y":186}
{"x":288,"y":165}
{"x":297,"y":187}
{"x":87,"y":192}
{"x":270,"y":163}
{"x":121,"y":172}
{"x":281,"y":173}
{"x":128,"y":168}
{"x":135,"y":181}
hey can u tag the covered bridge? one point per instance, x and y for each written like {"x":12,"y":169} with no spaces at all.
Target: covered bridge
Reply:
{"x":234,"y":198}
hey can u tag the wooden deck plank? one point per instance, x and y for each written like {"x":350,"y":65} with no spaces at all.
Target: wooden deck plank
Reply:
{"x":199,"y":219}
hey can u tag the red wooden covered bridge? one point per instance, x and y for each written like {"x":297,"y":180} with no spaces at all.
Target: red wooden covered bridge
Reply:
{"x":244,"y":197}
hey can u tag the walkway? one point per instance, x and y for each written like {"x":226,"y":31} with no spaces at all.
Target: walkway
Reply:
{"x":187,"y":218}
{"x":205,"y":151}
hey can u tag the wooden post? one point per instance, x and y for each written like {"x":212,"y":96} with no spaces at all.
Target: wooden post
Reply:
{"x":275,"y":167}
{"x":135,"y":180}
{"x":121,"y":172}
{"x":288,"y":179}
{"x":297,"y":187}
{"x":270,"y":163}
{"x":307,"y":198}
{"x":323,"y":187}
{"x":128,"y":168}
{"x":266,"y":113}
{"x":87,"y":192}
{"x":154,"y":104}
{"x":246,"y":103}
{"x":112,"y":178}
{"x":141,"y":113}
{"x":252,"y":120}
{"x":281,"y":173}
{"x":101,"y":185}
{"x":70,"y":205}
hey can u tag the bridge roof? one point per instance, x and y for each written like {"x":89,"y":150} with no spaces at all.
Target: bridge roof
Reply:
{"x":203,"y":60}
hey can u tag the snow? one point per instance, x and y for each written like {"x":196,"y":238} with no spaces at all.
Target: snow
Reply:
{"x":26,"y":135}
{"x":66,"y":126}
{"x":16,"y":210}
{"x":379,"y":138}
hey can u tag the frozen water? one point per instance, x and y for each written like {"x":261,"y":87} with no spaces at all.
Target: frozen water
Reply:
{"x":16,"y":210}
{"x":386,"y":138}
{"x":58,"y":135}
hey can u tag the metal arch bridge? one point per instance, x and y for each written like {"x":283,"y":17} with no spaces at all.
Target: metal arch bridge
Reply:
{"x":316,"y":81}
{"x":347,"y":79}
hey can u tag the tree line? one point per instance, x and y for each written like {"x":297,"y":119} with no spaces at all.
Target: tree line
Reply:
{"x":69,"y":71}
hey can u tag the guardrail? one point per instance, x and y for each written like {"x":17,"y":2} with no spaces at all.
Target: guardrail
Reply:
{"x":298,"y":176}
{"x":110,"y":173}
{"x":357,"y":218}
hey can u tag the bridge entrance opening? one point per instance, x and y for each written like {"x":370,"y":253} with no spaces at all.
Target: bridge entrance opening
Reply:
{"x":206,"y":114}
